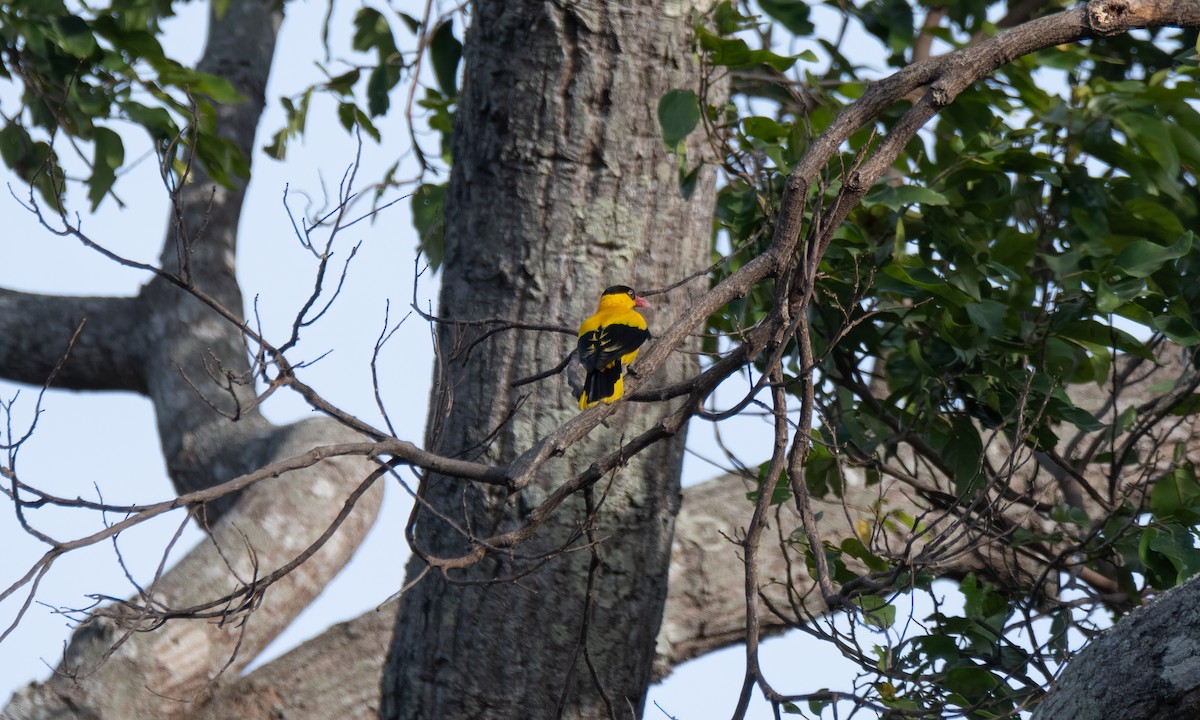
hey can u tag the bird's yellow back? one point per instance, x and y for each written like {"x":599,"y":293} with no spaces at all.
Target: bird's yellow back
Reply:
{"x":615,"y":309}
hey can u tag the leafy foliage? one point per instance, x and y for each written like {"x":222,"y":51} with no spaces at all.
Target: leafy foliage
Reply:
{"x":84,"y":71}
{"x":1037,"y":232}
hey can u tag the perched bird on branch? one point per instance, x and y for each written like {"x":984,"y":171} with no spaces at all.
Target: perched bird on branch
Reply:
{"x":608,"y":342}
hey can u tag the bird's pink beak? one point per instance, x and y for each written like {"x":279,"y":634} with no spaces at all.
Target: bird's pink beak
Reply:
{"x":640,"y":302}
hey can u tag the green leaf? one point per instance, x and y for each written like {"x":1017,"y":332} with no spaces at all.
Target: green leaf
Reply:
{"x":980,"y":600}
{"x":1169,"y":553}
{"x":678,"y":115}
{"x":137,"y":43}
{"x":924,"y":279}
{"x":733,"y":52}
{"x":91,"y":101}
{"x":727,"y":19}
{"x":109,"y":155}
{"x":1141,"y":258}
{"x":1111,"y":297}
{"x":764,"y":128}
{"x":1058,"y":634}
{"x":688,"y":178}
{"x":344,"y":84}
{"x":976,"y":684}
{"x":792,"y":14}
{"x":1176,"y":496}
{"x":1188,"y":406}
{"x":379,"y":84}
{"x":1177,"y":329}
{"x":410,"y":22}
{"x":372,"y":32}
{"x":961,"y":451}
{"x":429,"y":219}
{"x":1093,"y":224}
{"x":855,"y":548}
{"x":446,"y":51}
{"x":75,"y":36}
{"x":781,"y":492}
{"x":277,"y":148}
{"x":1187,"y":144}
{"x":15,"y":145}
{"x":351,"y":116}
{"x":1151,"y":134}
{"x":1071,"y":515}
{"x":1095,"y":336}
{"x":877,"y":611}
{"x":1162,"y":218}
{"x":221,"y":158}
{"x":1081,"y":419}
{"x":821,"y":471}
{"x":894,"y":198}
{"x":217,"y":88}
{"x":989,"y":316}
{"x":45,"y":174}
{"x":889,"y":20}
{"x":156,"y":120}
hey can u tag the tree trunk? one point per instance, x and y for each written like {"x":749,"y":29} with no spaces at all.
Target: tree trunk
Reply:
{"x":560,"y":187}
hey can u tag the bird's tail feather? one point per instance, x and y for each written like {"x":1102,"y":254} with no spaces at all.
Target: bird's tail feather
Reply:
{"x":602,"y":384}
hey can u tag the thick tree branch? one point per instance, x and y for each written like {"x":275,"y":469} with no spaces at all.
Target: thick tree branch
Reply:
{"x":35,"y":330}
{"x":115,"y":668}
{"x":1148,"y":666}
{"x":334,"y":676}
{"x":197,"y":369}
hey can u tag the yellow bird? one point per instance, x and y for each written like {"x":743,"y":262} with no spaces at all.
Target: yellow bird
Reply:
{"x":608,"y":342}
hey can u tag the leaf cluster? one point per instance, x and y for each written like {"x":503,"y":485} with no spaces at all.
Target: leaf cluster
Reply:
{"x":85,"y":71}
{"x":1032,"y":240}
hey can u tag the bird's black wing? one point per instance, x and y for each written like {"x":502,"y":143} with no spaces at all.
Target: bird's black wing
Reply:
{"x":601,"y":347}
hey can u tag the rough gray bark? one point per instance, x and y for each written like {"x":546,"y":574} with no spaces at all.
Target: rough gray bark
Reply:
{"x":1145,"y":666}
{"x":193,"y":365}
{"x":334,"y":676}
{"x":29,"y":322}
{"x":561,"y":186}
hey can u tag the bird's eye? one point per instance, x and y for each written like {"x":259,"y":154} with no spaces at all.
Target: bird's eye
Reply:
{"x":630,"y":293}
